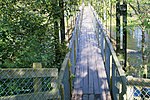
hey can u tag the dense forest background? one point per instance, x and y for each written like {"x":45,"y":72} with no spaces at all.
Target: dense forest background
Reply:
{"x":33,"y":31}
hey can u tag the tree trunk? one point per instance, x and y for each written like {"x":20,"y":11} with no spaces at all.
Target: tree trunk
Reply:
{"x":56,"y":32}
{"x":118,"y":26}
{"x":143,"y":55}
{"x":143,"y":45}
{"x":125,"y":34}
{"x":110,"y":18}
{"x":62,"y":21}
{"x":57,"y":52}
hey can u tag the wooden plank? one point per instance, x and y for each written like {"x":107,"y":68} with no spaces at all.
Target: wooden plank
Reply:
{"x":85,"y":81}
{"x":103,"y":79}
{"x":76,"y":97}
{"x":103,"y":95}
{"x":77,"y":78}
{"x":73,"y":96}
{"x":98,"y":97}
{"x":82,"y":64}
{"x":81,"y":78}
{"x":101,"y":70}
{"x":96,"y":82}
{"x":108,"y":95}
{"x":28,"y":73}
{"x":90,"y":61}
{"x":85,"y":67}
{"x":98,"y":69}
{"x":77,"y":83}
{"x":91,"y":97}
{"x":94,"y":57}
{"x":79,"y":97}
{"x":85,"y":97}
{"x":84,"y":53}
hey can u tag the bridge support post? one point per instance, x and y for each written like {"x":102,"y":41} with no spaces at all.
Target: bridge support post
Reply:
{"x":37,"y":81}
{"x":121,"y":10}
{"x":124,"y":14}
{"x":118,"y":26}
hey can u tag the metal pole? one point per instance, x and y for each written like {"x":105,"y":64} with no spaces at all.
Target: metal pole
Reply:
{"x":125,"y":32}
{"x":62,"y":21}
{"x":110,"y":18}
{"x":118,"y":26}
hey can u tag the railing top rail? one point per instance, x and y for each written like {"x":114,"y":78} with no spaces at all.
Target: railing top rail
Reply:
{"x":12,"y":73}
{"x":138,"y":81}
{"x":62,"y":70}
{"x":67,"y":57}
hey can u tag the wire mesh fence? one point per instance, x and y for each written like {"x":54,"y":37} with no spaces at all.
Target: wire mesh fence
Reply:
{"x":28,"y":83}
{"x":138,"y":88}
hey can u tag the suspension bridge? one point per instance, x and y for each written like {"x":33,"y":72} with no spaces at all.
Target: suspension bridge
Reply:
{"x":90,"y":70}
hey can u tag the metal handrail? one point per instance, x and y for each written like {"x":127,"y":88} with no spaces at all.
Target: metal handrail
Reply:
{"x":116,"y":75}
{"x":68,"y":65}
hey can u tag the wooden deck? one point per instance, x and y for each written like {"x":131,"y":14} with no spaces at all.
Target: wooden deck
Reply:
{"x":91,"y":81}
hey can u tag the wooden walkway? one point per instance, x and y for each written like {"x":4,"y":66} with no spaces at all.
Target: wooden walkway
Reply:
{"x":91,"y":81}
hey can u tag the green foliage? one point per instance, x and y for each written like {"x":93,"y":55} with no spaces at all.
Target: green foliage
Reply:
{"x":138,"y":13}
{"x":25,"y":35}
{"x":71,"y":7}
{"x":27,"y":32}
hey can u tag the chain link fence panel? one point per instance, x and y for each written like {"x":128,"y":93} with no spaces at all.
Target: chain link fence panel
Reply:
{"x":28,"y":84}
{"x":138,"y":88}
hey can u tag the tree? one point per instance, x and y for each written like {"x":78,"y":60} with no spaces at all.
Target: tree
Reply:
{"x":29,"y":32}
{"x":141,"y":12}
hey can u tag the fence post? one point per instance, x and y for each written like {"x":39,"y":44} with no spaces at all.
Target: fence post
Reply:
{"x":123,"y":88}
{"x":37,"y":81}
